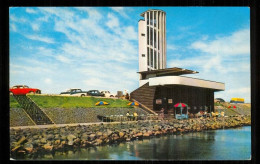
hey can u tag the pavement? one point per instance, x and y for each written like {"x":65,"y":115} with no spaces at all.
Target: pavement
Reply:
{"x":64,"y":125}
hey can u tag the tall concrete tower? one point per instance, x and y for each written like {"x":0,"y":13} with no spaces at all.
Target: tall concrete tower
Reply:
{"x":152,"y":40}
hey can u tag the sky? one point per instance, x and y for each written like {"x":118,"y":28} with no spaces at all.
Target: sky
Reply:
{"x":57,"y":48}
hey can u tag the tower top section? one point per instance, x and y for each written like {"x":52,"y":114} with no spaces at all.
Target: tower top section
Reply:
{"x":152,"y":40}
{"x":143,"y":13}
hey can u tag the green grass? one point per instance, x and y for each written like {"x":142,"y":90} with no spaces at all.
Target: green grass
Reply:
{"x":14,"y":103}
{"x":218,"y":104}
{"x":71,"y":102}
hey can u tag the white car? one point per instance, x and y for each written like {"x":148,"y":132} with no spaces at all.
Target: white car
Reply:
{"x":74,"y":92}
{"x":107,"y":94}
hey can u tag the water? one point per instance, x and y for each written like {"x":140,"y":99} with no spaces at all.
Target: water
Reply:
{"x":227,"y":144}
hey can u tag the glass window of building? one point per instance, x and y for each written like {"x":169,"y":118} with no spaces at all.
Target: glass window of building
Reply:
{"x":155,"y":38}
{"x":158,"y":40}
{"x":148,"y":55}
{"x":158,"y":60}
{"x":151,"y":36}
{"x":159,"y":13}
{"x":155,"y":19}
{"x":155,"y":59}
{"x":151,"y":51}
{"x":151,"y":18}
{"x":148,"y":35}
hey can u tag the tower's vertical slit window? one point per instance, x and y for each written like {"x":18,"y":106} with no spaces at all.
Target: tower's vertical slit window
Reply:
{"x":151,"y":50}
{"x":155,"y":59}
{"x":158,"y":40}
{"x":148,"y":55}
{"x":151,"y":36}
{"x":151,"y":18}
{"x":155,"y":22}
{"x":155,"y":38}
{"x":159,"y":60}
{"x":159,"y":13}
{"x":148,"y":36}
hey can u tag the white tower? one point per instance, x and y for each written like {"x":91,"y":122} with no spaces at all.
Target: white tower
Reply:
{"x":152,"y":40}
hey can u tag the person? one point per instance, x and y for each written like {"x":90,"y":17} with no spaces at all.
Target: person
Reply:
{"x":127,"y":96}
{"x":135,"y":116}
{"x":128,"y":116}
{"x":198,"y":115}
{"x":205,"y":114}
{"x":162,"y":113}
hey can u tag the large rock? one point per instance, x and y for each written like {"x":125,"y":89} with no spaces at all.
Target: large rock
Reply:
{"x":57,"y":142}
{"x":109,"y":132}
{"x":71,"y":137}
{"x":121,"y":134}
{"x":50,"y":136}
{"x":98,"y":142}
{"x":43,"y":140}
{"x":47,"y":147}
{"x":28,"y":147}
{"x":92,"y":136}
{"x":84,"y":136}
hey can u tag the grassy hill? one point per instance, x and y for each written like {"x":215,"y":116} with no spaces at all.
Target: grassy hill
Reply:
{"x":243,"y":108}
{"x":67,"y":110}
{"x":71,"y":102}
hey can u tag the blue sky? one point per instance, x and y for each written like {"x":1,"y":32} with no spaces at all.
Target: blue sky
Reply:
{"x":55,"y":49}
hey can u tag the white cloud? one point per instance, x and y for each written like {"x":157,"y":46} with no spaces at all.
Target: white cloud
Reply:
{"x":13,"y":27}
{"x":112,"y":21}
{"x":30,"y":10}
{"x":171,"y":47}
{"x":40,"y":38}
{"x":13,"y":18}
{"x":93,"y":13}
{"x":63,"y":59}
{"x":243,"y":92}
{"x":48,"y":81}
{"x":90,"y":40}
{"x":225,"y":59}
{"x":121,"y":11}
{"x":35,"y":26}
{"x":31,"y":69}
{"x":236,"y":44}
{"x":239,"y":90}
{"x":227,"y":54}
{"x":130,"y":33}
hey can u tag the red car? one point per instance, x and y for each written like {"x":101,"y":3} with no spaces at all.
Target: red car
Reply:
{"x":23,"y":90}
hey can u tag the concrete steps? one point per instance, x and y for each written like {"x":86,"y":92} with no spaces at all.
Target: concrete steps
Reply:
{"x":145,"y":96}
{"x":35,"y":113}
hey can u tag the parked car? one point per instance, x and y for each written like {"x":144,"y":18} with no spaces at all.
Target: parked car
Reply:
{"x":95,"y":93}
{"x":23,"y":90}
{"x":107,"y":94}
{"x":74,"y":92}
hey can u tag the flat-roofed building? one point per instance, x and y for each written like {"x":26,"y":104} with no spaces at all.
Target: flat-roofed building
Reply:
{"x":161,"y":87}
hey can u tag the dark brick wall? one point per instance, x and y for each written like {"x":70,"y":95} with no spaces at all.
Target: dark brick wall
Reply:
{"x":144,"y":95}
{"x":193,"y":96}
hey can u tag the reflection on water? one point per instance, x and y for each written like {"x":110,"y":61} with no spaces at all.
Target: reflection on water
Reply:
{"x":228,"y":144}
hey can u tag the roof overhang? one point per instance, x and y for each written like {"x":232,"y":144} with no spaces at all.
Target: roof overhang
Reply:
{"x":186,"y":81}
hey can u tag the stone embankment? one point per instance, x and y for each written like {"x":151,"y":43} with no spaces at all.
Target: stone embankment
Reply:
{"x":33,"y":142}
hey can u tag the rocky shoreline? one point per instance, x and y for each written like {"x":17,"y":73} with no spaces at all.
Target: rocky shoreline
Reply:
{"x":36,"y":142}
